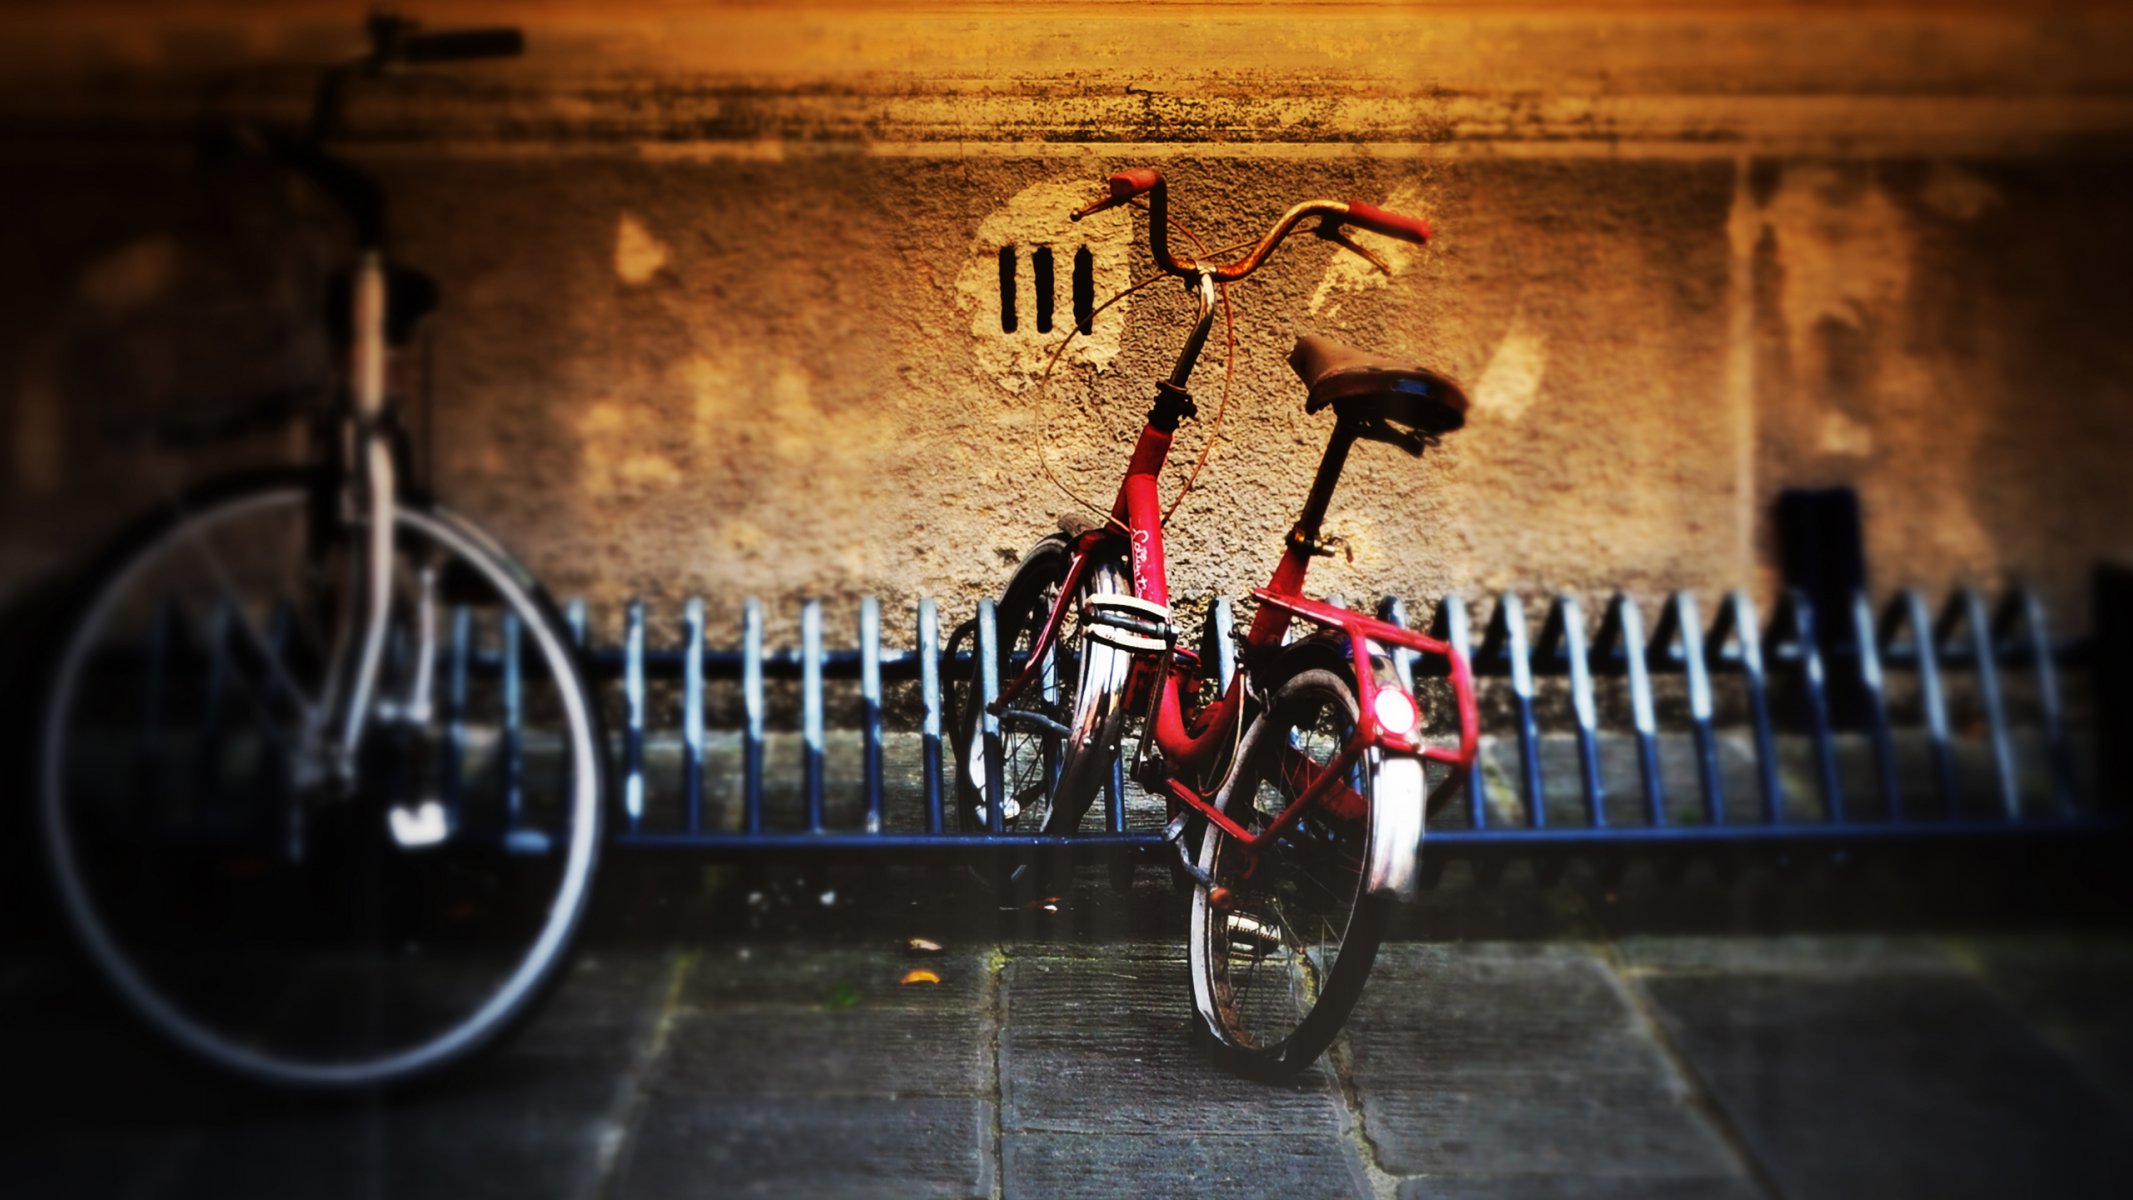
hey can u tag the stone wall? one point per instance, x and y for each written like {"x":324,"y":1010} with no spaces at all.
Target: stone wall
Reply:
{"x":723,"y":293}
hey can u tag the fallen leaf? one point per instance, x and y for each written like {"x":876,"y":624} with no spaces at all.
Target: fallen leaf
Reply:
{"x":844,"y":995}
{"x":919,"y":945}
{"x":919,"y":975}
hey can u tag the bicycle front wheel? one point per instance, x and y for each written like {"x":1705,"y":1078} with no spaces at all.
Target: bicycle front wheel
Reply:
{"x":1278,"y":962}
{"x":1058,"y":736}
{"x":281,"y":907}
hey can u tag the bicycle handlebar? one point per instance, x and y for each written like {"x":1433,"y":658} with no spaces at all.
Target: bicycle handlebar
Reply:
{"x":1332,"y":215}
{"x":462,"y":44}
{"x":393,"y":39}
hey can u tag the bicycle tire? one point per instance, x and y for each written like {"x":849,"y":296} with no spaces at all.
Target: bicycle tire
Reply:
{"x":1049,"y":778}
{"x":1276,"y":971}
{"x":402,"y":910}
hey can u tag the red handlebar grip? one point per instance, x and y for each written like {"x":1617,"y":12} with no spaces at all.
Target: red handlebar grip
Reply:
{"x":1127,"y":184}
{"x":1377,"y":220}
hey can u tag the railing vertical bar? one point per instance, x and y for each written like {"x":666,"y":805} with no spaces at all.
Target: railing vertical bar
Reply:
{"x":811,"y":703}
{"x":692,"y":712}
{"x":574,"y":616}
{"x":219,"y":620}
{"x":272,"y":769}
{"x":1738,"y":615}
{"x":1048,"y":689}
{"x":1872,"y":679}
{"x":1458,"y":632}
{"x":1988,"y":683}
{"x":752,"y":709}
{"x":633,"y":730}
{"x":988,"y":720}
{"x":1511,"y":615}
{"x":1115,"y":794}
{"x":514,"y":764}
{"x":1816,"y":682}
{"x":1393,"y":611}
{"x":276,"y":758}
{"x":1626,"y":621}
{"x":2023,"y":606}
{"x":153,"y":685}
{"x":870,"y":698}
{"x":1584,"y":707}
{"x":455,"y":702}
{"x":929,"y":691}
{"x":1909,"y":608}
{"x":1685,"y":620}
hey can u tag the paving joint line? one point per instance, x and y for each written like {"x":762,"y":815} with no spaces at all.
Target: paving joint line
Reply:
{"x":1384,"y":1185}
{"x":996,"y":1014}
{"x":630,"y":1108}
{"x":1701,"y":1097}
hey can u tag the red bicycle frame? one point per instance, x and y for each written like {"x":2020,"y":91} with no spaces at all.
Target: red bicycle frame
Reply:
{"x":1191,"y":743}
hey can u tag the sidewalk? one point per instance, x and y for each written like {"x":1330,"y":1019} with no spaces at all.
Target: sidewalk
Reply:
{"x":1824,"y":1066}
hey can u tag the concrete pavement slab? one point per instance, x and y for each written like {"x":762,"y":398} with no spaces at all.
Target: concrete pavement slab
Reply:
{"x":1891,"y":1084}
{"x":1196,"y":1165}
{"x":2077,"y":994}
{"x":1104,"y":1093}
{"x":854,"y":1146}
{"x":1497,"y":1068}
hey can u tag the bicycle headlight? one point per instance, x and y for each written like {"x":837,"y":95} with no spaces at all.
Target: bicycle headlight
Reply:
{"x":1396,"y":711}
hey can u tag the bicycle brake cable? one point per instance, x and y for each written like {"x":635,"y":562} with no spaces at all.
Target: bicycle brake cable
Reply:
{"x":1229,"y":365}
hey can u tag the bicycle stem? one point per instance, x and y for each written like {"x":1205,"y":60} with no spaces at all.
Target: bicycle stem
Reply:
{"x":1189,"y":357}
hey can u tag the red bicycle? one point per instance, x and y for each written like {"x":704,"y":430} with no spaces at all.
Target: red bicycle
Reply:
{"x":1298,"y":795}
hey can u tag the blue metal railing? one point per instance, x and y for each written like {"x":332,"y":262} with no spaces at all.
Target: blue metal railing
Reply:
{"x":1850,"y":727}
{"x":1734,"y":676}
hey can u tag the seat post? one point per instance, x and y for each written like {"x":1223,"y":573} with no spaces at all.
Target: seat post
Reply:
{"x":1305,"y":532}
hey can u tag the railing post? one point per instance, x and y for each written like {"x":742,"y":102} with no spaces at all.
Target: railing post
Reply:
{"x":988,"y":720}
{"x":1567,"y":618}
{"x":2112,"y":597}
{"x":1452,"y":626}
{"x":1875,"y":687}
{"x":929,"y":691}
{"x":1967,"y":609}
{"x":870,"y":699}
{"x":633,"y":694}
{"x":1737,"y":620}
{"x":811,"y":703}
{"x":1622,"y":633}
{"x":752,"y":706}
{"x":692,"y":712}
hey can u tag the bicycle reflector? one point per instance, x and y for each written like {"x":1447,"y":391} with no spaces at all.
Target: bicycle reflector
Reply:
{"x":1395,"y":710}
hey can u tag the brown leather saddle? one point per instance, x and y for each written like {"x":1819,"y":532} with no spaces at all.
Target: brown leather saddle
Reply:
{"x":1362,"y":387}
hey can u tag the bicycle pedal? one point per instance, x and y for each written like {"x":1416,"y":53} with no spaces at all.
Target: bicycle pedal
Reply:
{"x":1130,"y":623}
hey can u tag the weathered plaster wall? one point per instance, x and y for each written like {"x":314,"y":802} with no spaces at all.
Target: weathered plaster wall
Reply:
{"x":722,"y":294}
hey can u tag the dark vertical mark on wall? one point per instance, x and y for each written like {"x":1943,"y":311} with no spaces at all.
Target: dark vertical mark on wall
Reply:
{"x":1041,"y":272}
{"x":1084,"y":289}
{"x":1007,"y":289}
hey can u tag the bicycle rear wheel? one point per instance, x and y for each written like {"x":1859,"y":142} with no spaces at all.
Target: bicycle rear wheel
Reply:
{"x":272,"y":916}
{"x":1278,"y":967}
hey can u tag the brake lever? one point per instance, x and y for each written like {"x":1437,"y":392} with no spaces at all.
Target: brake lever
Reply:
{"x":1096,"y":206}
{"x":1330,"y":230}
